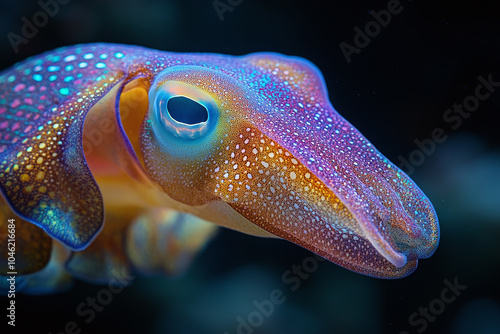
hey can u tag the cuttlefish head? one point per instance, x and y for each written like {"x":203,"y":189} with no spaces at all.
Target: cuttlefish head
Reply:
{"x":258,"y":135}
{"x":251,"y":143}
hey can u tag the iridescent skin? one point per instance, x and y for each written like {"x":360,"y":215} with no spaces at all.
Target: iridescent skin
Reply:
{"x":280,"y":161}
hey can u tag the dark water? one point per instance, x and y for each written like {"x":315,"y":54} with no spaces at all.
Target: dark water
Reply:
{"x":396,"y":91}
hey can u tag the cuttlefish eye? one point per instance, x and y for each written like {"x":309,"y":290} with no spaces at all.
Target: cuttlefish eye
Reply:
{"x":184,"y":111}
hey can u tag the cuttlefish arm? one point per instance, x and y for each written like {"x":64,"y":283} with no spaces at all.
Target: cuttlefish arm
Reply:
{"x":251,"y":143}
{"x":43,"y":171}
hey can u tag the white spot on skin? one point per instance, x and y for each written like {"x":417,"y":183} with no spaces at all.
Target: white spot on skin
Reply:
{"x":293,"y":176}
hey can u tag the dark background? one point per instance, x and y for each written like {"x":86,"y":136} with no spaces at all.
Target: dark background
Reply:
{"x":394,"y":91}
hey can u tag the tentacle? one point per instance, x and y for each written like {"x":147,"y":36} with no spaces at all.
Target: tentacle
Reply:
{"x":43,"y":172}
{"x":166,"y":241}
{"x":31,"y":245}
{"x":53,"y":278}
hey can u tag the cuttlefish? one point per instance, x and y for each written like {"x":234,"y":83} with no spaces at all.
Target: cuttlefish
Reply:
{"x":115,"y":156}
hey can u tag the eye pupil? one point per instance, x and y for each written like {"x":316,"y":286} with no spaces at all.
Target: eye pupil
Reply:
{"x":187,"y":111}
{"x":182,"y":110}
